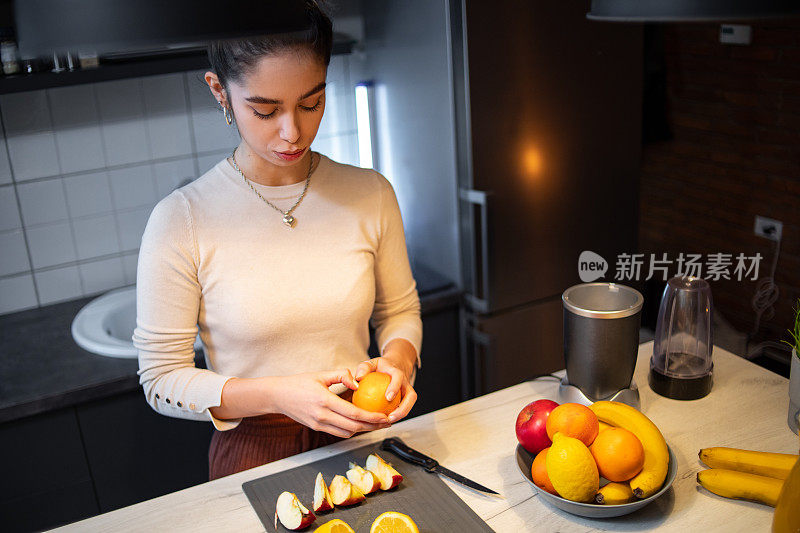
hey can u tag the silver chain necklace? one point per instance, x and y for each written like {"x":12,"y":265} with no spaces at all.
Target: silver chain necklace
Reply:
{"x":288,"y":219}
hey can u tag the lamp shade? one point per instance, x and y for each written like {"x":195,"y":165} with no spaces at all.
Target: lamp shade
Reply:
{"x":690,"y":10}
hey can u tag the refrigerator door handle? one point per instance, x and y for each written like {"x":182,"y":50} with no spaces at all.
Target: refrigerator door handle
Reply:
{"x":478,"y":295}
{"x":480,"y":347}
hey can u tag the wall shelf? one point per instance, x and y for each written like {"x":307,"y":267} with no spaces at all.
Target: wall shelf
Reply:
{"x":130,"y":67}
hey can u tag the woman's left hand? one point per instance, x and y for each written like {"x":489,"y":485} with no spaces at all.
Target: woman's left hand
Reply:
{"x":398,"y":360}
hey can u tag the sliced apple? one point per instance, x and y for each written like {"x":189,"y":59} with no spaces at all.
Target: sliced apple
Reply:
{"x":322,"y":496}
{"x":292,"y":514}
{"x":363,"y":479}
{"x":386,"y":474}
{"x":345,"y":493}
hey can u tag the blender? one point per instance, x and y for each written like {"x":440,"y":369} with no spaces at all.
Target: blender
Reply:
{"x":601,"y":343}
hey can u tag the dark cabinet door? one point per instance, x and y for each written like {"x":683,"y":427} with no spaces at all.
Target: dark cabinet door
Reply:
{"x":136,"y":454}
{"x":438,"y":382}
{"x":515,"y":346}
{"x":45,"y":477}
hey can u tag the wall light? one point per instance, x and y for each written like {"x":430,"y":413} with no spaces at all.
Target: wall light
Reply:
{"x":364,"y":96}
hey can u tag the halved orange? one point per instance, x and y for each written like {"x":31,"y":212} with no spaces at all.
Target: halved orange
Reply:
{"x":334,"y":526}
{"x":393,"y":522}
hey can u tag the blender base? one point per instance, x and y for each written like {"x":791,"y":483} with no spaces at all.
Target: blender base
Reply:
{"x":571,"y":394}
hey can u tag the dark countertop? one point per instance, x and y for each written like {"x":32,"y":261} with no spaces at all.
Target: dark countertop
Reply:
{"x":43,"y":369}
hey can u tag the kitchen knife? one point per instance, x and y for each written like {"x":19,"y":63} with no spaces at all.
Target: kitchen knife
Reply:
{"x":410,"y":455}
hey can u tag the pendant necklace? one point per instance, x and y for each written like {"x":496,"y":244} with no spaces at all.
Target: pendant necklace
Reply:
{"x":288,"y":218}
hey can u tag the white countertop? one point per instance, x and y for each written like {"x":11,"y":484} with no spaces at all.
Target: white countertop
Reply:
{"x":746,"y":408}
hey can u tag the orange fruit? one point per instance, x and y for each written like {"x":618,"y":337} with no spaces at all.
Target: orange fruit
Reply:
{"x":539,"y":472}
{"x":392,"y":522}
{"x":371,"y":394}
{"x":573,"y":420}
{"x":618,"y":453}
{"x":336,"y":525}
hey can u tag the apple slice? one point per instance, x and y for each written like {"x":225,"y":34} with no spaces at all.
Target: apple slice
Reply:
{"x":363,"y":479}
{"x":345,"y":493}
{"x":292,"y":514}
{"x":322,"y":496}
{"x":386,"y":474}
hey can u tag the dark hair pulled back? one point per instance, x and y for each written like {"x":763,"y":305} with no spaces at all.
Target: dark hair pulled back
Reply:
{"x":232,"y":59}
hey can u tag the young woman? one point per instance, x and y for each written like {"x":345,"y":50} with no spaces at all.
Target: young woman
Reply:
{"x":282,"y":257}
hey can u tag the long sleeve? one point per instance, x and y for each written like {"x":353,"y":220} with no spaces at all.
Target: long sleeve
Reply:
{"x":168,"y":301}
{"x":396,"y":313}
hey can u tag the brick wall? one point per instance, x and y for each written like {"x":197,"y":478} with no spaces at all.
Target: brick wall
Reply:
{"x":733,"y":153}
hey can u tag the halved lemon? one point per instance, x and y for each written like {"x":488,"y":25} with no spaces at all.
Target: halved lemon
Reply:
{"x":393,"y":522}
{"x":334,"y":526}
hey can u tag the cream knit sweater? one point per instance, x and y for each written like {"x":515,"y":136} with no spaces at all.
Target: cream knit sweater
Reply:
{"x":268,"y":300}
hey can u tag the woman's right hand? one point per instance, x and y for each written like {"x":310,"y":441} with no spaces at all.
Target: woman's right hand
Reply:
{"x":306,"y":399}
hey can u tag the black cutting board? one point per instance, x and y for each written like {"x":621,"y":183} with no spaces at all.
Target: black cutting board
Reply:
{"x":422,"y":496}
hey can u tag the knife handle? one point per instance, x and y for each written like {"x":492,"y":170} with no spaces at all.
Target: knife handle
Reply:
{"x":410,"y":455}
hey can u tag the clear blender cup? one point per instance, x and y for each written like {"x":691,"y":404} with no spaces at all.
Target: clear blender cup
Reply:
{"x":681,"y":367}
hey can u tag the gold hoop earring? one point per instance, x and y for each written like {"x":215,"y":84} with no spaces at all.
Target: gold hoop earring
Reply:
{"x":228,"y":118}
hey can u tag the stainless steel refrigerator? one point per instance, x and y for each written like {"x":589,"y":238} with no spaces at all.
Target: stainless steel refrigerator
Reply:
{"x":548,"y":129}
{"x":511,"y":132}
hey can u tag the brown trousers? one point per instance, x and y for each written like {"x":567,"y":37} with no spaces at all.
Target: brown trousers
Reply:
{"x":260,"y":440}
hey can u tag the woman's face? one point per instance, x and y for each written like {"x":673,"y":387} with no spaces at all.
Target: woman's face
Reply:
{"x":279,"y":105}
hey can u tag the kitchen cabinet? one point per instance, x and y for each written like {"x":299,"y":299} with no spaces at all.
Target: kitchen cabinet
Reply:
{"x":136,"y":454}
{"x":46,"y":478}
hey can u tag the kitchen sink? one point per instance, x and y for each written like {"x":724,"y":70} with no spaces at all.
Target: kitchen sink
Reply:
{"x":105,"y":325}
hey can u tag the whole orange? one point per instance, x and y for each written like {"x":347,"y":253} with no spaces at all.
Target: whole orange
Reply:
{"x":573,"y":420}
{"x":618,"y":453}
{"x":539,"y":472}
{"x":371,"y":393}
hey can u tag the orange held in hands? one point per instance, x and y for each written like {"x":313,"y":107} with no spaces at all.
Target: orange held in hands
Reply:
{"x":539,"y":472}
{"x":573,"y":420}
{"x":371,"y":394}
{"x":618,"y":453}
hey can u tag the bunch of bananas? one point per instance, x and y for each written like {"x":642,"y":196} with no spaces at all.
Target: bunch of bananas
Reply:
{"x":745,"y":474}
{"x":656,"y":455}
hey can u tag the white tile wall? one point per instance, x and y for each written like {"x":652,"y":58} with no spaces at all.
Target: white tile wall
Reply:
{"x":95,"y":236}
{"x":42,"y":201}
{"x":17,"y":293}
{"x":101,"y":276}
{"x":87,"y":163}
{"x":51,"y":245}
{"x":170,"y":174}
{"x":33,"y":155}
{"x":133,"y":186}
{"x":9,"y":212}
{"x":126,"y":142}
{"x":131,"y":227}
{"x":88,"y":194}
{"x":80,"y":148}
{"x":14,"y":258}
{"x":129,"y":262}
{"x":26,"y":112}
{"x":5,"y":165}
{"x":58,"y":284}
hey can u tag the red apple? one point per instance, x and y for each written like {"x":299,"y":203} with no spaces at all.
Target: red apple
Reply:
{"x":531,"y":425}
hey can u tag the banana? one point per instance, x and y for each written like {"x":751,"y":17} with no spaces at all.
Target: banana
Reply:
{"x":741,"y":485}
{"x":777,"y":465}
{"x":614,"y":494}
{"x":656,"y":455}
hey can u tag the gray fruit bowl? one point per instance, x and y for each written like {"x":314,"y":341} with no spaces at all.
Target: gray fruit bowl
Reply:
{"x":593,"y":510}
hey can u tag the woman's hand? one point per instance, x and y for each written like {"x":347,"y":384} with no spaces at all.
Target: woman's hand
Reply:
{"x":306,"y":399}
{"x":398,"y":360}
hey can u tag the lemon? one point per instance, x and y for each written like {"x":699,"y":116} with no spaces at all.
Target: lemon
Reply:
{"x":572,"y":469}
